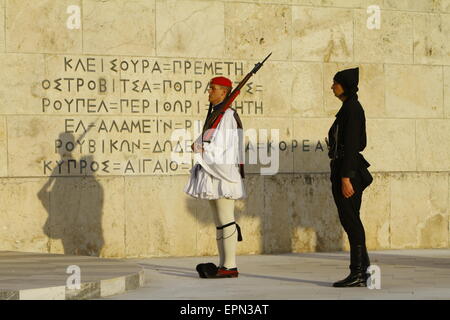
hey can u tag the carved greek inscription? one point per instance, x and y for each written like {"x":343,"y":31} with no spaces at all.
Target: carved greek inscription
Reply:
{"x":117,"y":114}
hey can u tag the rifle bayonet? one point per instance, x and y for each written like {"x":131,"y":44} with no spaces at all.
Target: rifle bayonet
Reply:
{"x":260,"y":64}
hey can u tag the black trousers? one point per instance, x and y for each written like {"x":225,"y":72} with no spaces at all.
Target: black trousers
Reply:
{"x":348,"y":209}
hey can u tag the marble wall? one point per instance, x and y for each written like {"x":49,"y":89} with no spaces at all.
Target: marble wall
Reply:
{"x":92,"y":91}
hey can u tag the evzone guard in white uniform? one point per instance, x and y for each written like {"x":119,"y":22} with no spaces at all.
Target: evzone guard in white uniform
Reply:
{"x":217,"y":176}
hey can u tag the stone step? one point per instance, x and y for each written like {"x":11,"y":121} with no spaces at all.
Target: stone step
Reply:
{"x":44,"y":276}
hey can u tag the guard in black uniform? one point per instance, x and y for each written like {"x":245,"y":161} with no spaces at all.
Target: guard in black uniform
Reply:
{"x":349,"y":174}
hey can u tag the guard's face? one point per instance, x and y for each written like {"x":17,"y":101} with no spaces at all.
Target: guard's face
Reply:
{"x":337,"y":89}
{"x":217,"y":93}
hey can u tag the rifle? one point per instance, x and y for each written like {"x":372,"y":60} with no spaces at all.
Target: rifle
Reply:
{"x":210,"y":121}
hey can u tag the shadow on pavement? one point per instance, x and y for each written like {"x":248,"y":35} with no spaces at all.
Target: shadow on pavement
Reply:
{"x":180,"y":272}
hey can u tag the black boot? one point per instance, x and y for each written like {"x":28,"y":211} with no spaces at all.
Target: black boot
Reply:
{"x":357,"y":276}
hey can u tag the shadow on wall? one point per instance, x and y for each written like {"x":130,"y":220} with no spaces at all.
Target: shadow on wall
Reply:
{"x":286,"y":212}
{"x":74,"y":206}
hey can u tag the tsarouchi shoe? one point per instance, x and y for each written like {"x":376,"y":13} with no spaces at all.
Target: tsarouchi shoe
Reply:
{"x":206,"y":270}
{"x":223,"y":272}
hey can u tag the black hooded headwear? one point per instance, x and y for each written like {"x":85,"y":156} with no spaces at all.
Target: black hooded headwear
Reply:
{"x":349,"y":80}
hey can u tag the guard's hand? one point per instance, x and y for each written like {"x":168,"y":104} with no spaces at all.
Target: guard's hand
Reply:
{"x":197,"y":148}
{"x":347,"y":188}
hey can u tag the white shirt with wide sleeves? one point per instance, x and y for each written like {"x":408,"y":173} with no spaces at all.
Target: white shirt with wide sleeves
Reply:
{"x":215,"y":173}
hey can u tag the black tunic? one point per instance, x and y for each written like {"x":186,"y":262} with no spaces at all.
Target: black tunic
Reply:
{"x":347,"y":137}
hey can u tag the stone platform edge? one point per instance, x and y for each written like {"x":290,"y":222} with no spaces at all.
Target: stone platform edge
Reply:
{"x":88,"y":290}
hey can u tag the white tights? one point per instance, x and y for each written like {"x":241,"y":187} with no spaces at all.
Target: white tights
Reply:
{"x":227,"y":237}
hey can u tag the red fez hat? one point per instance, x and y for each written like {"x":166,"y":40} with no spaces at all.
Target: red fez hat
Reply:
{"x":222,"y":81}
